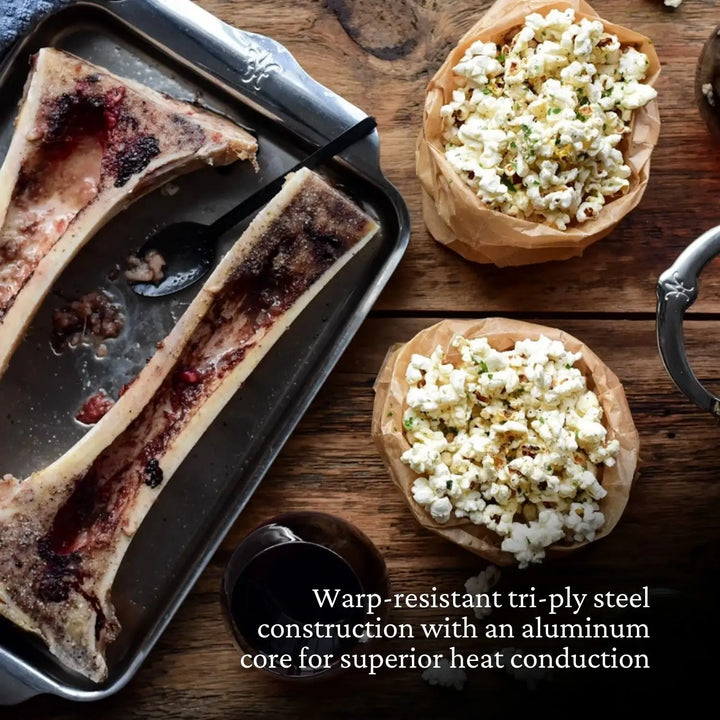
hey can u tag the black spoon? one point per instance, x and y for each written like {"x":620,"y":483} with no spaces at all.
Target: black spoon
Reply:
{"x":189,"y":248}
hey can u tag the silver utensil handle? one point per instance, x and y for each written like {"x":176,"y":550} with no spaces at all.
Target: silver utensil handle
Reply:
{"x":677,"y":290}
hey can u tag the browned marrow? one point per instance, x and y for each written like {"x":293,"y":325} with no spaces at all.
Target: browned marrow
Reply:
{"x":86,"y":144}
{"x":65,"y":529}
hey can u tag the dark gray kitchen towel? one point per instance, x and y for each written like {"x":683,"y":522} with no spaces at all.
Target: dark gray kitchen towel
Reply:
{"x":17,"y":16}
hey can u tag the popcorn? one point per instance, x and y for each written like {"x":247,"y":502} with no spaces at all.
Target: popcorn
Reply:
{"x":445,"y":675}
{"x":584,"y":520}
{"x":440,"y":509}
{"x":527,"y":541}
{"x":481,"y":584}
{"x":510,"y":440}
{"x":531,"y":676}
{"x":534,"y":127}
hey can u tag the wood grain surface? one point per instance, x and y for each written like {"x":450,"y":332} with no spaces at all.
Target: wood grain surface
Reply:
{"x":379,"y":55}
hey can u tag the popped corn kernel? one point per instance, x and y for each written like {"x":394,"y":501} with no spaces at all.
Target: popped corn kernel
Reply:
{"x":535,"y":128}
{"x":511,"y":440}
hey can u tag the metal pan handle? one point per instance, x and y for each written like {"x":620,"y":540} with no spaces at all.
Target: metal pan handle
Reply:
{"x":14,"y":690}
{"x":677,"y":290}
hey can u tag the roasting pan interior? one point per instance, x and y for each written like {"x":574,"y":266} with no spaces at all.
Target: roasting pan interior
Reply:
{"x":42,"y":390}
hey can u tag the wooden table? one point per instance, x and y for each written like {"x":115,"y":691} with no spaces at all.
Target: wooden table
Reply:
{"x":380,"y":55}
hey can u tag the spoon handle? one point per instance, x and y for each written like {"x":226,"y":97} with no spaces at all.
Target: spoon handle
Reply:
{"x":265,"y":193}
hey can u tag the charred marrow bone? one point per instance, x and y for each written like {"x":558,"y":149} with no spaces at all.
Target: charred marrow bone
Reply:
{"x":86,"y":144}
{"x":65,"y":529}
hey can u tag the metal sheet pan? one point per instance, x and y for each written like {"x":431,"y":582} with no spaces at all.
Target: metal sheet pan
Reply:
{"x":176,"y":47}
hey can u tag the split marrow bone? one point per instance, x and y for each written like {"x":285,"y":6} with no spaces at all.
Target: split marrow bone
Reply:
{"x":65,"y":529}
{"x":86,"y":144}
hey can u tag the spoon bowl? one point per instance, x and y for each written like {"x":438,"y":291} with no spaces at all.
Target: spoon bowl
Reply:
{"x":189,"y":248}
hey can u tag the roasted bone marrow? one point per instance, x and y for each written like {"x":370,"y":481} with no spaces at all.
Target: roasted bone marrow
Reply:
{"x":65,"y":529}
{"x":86,"y":144}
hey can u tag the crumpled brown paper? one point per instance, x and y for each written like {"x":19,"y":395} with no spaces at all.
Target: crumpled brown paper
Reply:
{"x":456,"y":217}
{"x":391,"y":389}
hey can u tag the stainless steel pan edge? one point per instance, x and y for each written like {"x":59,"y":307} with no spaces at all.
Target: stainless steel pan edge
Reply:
{"x":677,"y":290}
{"x":265,"y":75}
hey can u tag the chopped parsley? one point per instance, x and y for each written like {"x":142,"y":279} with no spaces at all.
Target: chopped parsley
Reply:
{"x":508,"y":183}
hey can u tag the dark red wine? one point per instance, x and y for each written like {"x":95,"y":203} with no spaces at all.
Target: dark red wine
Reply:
{"x":274,"y":595}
